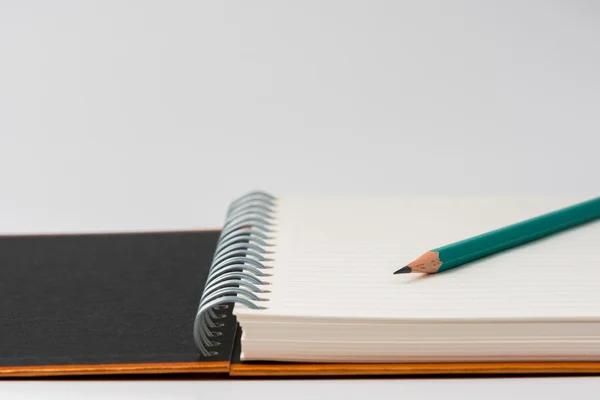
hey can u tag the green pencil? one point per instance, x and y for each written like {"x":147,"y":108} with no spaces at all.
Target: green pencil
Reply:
{"x":464,"y":251}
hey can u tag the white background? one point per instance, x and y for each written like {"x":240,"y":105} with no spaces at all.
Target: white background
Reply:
{"x":152,"y":115}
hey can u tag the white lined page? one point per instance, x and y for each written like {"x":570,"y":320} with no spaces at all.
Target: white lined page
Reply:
{"x":335,"y":258}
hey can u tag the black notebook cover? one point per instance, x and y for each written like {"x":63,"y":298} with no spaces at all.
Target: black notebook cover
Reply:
{"x":105,"y":304}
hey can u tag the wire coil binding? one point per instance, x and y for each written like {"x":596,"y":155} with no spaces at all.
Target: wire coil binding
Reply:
{"x":238,"y":265}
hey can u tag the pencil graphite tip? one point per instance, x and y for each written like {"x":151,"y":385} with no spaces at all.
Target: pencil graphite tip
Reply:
{"x":404,"y":270}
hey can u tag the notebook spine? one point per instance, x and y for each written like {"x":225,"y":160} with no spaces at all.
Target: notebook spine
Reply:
{"x":239,"y":266}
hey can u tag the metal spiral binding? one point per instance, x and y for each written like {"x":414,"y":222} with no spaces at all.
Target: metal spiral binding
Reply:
{"x":238,"y":264}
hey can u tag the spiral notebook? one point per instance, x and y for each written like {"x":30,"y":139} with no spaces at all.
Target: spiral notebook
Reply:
{"x":304,"y":285}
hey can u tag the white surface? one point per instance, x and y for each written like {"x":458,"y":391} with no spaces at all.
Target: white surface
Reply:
{"x":145,"y":115}
{"x":447,"y":389}
{"x":332,"y":295}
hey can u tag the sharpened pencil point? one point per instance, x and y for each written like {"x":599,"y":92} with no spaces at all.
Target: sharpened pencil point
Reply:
{"x":403,"y":270}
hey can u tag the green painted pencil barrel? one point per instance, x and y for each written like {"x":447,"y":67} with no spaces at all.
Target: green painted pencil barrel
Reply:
{"x":517,"y":234}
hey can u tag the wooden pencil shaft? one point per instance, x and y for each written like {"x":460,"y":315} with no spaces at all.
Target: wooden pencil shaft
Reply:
{"x":471,"y":249}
